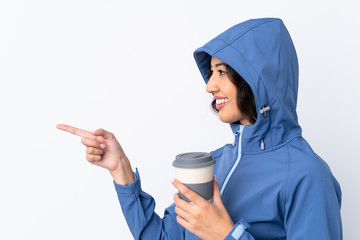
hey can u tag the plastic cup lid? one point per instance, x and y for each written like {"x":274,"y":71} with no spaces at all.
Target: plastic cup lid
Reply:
{"x":193,"y":160}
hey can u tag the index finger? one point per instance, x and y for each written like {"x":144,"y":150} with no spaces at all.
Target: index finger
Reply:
{"x":76,"y":131}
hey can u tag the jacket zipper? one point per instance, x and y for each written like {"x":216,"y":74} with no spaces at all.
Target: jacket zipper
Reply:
{"x":236,"y":162}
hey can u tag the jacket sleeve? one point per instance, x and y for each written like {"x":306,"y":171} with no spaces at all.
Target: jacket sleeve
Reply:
{"x":312,"y":204}
{"x":138,"y":209}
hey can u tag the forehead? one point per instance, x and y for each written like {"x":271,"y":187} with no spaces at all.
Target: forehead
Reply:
{"x":215,"y":61}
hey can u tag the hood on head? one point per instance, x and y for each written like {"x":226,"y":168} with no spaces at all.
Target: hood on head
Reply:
{"x":262,"y":52}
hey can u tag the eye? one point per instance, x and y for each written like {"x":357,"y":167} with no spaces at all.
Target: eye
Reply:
{"x":222,"y":72}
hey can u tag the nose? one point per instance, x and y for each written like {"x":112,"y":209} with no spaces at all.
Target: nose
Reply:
{"x":211,"y":86}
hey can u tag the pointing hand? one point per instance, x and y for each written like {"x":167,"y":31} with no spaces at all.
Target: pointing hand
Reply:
{"x":103,"y":149}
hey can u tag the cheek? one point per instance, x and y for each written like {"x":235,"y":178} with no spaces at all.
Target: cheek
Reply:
{"x":234,"y":111}
{"x":230,"y":90}
{"x":234,"y":106}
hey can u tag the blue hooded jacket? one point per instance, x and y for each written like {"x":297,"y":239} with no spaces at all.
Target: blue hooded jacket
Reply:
{"x":272,"y":183}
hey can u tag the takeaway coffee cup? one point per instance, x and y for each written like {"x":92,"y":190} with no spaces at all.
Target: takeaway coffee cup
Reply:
{"x":195,"y":170}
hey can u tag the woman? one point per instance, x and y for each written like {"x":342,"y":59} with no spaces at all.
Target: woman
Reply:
{"x":269,"y":183}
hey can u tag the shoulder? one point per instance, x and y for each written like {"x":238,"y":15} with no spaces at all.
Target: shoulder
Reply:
{"x":307,"y":171}
{"x":304,"y":161}
{"x":218,"y":153}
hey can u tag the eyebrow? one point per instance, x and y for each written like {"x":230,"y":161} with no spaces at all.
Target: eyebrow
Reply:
{"x":219,"y":64}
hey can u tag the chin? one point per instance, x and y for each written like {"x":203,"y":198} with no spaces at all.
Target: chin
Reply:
{"x":226,"y":119}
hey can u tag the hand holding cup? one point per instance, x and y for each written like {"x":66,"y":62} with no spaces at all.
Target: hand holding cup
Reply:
{"x":195,"y":170}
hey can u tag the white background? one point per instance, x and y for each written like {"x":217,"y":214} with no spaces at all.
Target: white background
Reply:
{"x":127,"y":66}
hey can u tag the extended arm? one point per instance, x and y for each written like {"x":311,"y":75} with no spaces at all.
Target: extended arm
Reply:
{"x":103,"y":149}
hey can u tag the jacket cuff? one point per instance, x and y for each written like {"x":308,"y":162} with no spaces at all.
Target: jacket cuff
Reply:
{"x":129,"y":189}
{"x":238,"y":230}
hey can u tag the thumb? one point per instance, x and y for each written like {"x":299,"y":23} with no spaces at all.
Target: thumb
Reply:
{"x":102,"y":134}
{"x":216,"y":194}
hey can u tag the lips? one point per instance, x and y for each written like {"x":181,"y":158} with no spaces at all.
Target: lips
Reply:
{"x":221,"y":102}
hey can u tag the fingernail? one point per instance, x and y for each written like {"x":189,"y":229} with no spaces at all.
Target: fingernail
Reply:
{"x":94,"y":131}
{"x":102,"y":146}
{"x":172,"y":180}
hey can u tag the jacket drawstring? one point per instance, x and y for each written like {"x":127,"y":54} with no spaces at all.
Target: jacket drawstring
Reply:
{"x":264,"y":109}
{"x":234,"y":142}
{"x":262,"y":144}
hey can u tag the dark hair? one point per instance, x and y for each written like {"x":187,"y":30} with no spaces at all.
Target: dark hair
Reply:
{"x":245,"y":98}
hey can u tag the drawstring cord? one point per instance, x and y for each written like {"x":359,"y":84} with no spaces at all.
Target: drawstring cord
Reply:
{"x":234,"y":142}
{"x":263,"y":111}
{"x":262,"y":144}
